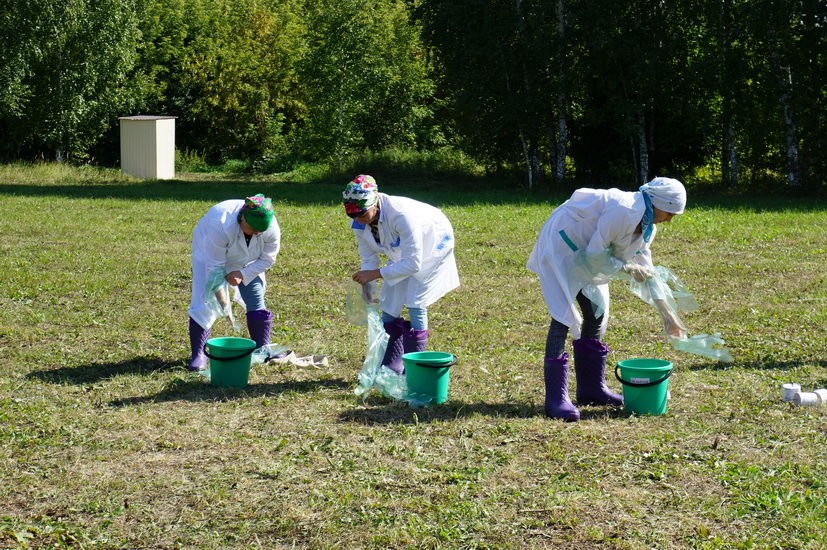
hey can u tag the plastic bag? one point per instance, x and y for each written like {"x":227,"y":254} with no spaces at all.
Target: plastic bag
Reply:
{"x":592,"y":269}
{"x":357,"y":297}
{"x":664,"y":286}
{"x":374,"y":374}
{"x":270,"y":351}
{"x":702,"y":344}
{"x":218,"y":296}
{"x":667,"y":293}
{"x":377,"y":344}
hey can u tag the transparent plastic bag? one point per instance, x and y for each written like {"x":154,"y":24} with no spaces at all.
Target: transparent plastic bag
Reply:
{"x":270,"y":351}
{"x":377,"y":344}
{"x":592,"y":269}
{"x":703,"y":345}
{"x":668,"y":295}
{"x":357,"y":298}
{"x":376,"y":375}
{"x":218,"y":296}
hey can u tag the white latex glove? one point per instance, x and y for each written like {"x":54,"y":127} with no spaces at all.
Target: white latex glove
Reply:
{"x":638,"y":272}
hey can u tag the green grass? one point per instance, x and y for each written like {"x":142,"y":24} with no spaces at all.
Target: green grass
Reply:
{"x":107,"y":442}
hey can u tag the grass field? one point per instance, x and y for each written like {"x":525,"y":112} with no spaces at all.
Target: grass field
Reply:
{"x":106,"y":441}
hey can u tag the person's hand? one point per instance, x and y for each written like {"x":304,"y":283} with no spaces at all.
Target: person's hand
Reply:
{"x":674,"y":328}
{"x":366,"y":276}
{"x":234,"y":278}
{"x":638,"y":272}
{"x":672,"y":325}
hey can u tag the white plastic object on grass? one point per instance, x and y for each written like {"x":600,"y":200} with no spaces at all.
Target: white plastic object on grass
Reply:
{"x":806,"y":399}
{"x":790,"y":389}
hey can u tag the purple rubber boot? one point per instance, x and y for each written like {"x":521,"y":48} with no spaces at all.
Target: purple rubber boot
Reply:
{"x":259,"y":323}
{"x":395,"y":349}
{"x":558,"y":404}
{"x":590,"y":370}
{"x":198,"y":337}
{"x":414,"y":340}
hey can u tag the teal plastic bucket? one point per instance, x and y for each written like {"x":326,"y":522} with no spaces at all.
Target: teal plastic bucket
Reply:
{"x":230,"y":360}
{"x":645,"y":385}
{"x":428,"y":374}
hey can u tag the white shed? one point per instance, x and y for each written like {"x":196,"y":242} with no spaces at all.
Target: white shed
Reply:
{"x":148,"y":146}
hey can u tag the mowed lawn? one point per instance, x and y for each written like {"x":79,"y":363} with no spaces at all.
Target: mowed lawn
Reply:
{"x":106,"y":441}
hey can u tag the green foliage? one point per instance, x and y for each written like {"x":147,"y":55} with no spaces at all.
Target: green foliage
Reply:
{"x":365,"y":77}
{"x":226,"y":69}
{"x":66,"y":77}
{"x":623,"y":90}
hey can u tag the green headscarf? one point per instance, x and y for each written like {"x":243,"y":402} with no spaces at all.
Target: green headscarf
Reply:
{"x":258,"y":212}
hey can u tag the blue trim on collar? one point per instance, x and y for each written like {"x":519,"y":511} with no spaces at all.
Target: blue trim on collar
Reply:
{"x":357,"y":225}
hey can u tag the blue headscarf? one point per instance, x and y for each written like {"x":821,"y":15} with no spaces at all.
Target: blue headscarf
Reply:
{"x":646,"y":224}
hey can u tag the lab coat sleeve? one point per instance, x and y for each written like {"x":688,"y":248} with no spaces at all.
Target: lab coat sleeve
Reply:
{"x":410,"y":237}
{"x":644,"y":256}
{"x":614,"y":233}
{"x":272,"y":244}
{"x":213,"y":244}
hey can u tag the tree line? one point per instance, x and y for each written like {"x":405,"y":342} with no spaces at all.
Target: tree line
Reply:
{"x":593,"y":90}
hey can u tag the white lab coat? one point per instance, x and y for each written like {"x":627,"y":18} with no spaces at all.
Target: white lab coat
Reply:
{"x":218,"y":242}
{"x":593,"y":220}
{"x":418,"y":241}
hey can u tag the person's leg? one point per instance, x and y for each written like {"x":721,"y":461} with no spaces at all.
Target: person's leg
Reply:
{"x":416,"y":330}
{"x":395,"y":327}
{"x":259,"y":320}
{"x":556,"y":375}
{"x":198,"y":337}
{"x":590,"y":360}
{"x":198,"y":334}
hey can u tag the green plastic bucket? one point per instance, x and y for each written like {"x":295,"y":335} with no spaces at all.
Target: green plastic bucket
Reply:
{"x":230,"y":359}
{"x":428,"y":373}
{"x":645,"y":384}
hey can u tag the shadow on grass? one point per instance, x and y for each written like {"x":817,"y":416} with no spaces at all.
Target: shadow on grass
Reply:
{"x":460,"y":192}
{"x":394,"y":412}
{"x":768,"y":363}
{"x":94,"y":372}
{"x":201,"y":390}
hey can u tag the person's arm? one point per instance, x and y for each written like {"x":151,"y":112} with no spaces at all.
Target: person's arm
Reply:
{"x":410,"y":243}
{"x":272,"y":244}
{"x":212,"y":244}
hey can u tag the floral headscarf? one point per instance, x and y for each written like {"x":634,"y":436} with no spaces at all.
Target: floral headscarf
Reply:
{"x":258,"y":212}
{"x":360,"y":194}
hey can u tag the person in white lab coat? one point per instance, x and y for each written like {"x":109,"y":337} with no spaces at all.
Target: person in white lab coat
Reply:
{"x":240,"y":240}
{"x":418,"y":241}
{"x":595,"y":233}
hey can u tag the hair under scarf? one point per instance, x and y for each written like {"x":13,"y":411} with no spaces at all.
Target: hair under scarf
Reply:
{"x":666,"y":194}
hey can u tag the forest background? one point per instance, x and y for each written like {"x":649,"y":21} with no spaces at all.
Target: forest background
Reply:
{"x":592,"y":92}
